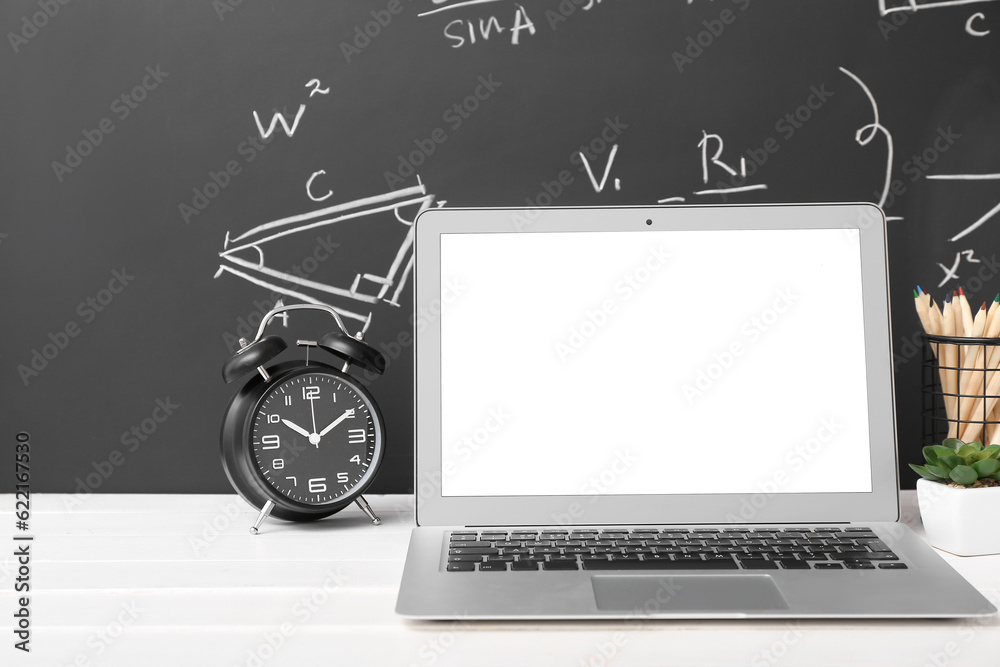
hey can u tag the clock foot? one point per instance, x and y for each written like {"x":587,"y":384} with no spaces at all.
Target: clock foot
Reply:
{"x":264,"y":512}
{"x":367,"y":509}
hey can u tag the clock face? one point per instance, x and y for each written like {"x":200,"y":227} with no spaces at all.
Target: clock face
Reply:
{"x":314,"y":437}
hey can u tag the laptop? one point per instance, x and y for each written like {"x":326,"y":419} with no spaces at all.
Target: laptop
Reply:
{"x":660,"y":412}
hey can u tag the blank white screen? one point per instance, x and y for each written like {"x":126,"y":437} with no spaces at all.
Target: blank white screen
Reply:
{"x":654,"y":362}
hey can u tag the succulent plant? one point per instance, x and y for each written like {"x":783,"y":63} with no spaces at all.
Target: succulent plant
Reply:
{"x":960,"y":462}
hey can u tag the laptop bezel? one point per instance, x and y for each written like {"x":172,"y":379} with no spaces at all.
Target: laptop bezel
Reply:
{"x":432,"y":508}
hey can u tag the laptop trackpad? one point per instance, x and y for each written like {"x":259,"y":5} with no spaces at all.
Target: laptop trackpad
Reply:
{"x":658,"y":593}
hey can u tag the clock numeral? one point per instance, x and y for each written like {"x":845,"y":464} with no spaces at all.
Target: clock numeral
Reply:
{"x":294,"y":482}
{"x":288,"y":399}
{"x":273,"y":418}
{"x":317,"y":485}
{"x":310,"y":393}
{"x":357,"y":436}
{"x":356,"y":459}
{"x":342,"y":478}
{"x":270,"y":441}
{"x":278,"y":464}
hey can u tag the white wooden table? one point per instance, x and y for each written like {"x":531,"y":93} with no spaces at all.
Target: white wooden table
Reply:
{"x":138,"y":580}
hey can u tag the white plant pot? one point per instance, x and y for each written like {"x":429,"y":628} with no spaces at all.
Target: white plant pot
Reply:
{"x":954,"y":518}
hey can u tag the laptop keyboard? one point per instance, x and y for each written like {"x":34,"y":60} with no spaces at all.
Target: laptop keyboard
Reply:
{"x":854,"y":548}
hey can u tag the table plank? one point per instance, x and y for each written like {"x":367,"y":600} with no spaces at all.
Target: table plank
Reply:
{"x":154,"y":580}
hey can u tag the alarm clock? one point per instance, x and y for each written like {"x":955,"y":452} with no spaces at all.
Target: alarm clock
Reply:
{"x":301,"y":440}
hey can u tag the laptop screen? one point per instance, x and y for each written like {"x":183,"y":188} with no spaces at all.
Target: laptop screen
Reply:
{"x":653,"y":362}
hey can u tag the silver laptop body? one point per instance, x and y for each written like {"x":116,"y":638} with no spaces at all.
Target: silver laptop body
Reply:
{"x":637,"y":388}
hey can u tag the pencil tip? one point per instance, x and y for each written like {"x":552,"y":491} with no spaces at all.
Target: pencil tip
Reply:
{"x":920,"y":289}
{"x":947,"y":299}
{"x":960,"y":291}
{"x":915,"y":295}
{"x":983,"y":307}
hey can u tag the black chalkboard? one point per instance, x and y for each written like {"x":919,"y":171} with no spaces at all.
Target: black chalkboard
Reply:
{"x":154,"y":150}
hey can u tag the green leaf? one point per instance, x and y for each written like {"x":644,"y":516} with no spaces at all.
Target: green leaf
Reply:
{"x":995,"y":476}
{"x":980,"y":455}
{"x":986,"y":467}
{"x":930,"y":455}
{"x":975,"y":443}
{"x":967,"y":451}
{"x":963,"y":474}
{"x":953,"y":443}
{"x":923,"y":472}
{"x":994,"y":451}
{"x":942,"y":473}
{"x":950,"y":462}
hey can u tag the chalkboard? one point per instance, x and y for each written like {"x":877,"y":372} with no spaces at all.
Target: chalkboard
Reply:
{"x":172,"y":169}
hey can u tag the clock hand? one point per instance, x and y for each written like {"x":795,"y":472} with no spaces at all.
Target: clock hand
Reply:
{"x":295,"y":427}
{"x":312,"y":409}
{"x":347,"y":413}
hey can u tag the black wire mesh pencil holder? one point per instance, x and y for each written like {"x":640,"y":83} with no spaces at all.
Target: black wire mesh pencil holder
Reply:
{"x":970,"y":386}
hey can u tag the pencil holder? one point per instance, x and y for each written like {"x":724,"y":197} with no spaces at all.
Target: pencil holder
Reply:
{"x":960,"y":385}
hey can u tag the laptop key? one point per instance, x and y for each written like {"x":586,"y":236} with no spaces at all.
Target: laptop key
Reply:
{"x":892,"y":566}
{"x":493,"y":567}
{"x":461,"y":567}
{"x":875,"y":545}
{"x":465,"y":559}
{"x":524,"y":565}
{"x":829,"y":565}
{"x":881,"y":555}
{"x":660,"y":564}
{"x":560,"y":564}
{"x":791,"y":564}
{"x":759,"y":565}
{"x":477,"y":551}
{"x":859,"y":565}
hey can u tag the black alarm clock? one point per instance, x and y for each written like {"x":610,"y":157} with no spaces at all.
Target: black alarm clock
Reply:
{"x":301,"y":440}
